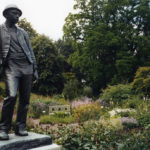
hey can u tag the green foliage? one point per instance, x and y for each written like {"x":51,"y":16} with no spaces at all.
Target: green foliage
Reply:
{"x":125,"y":66}
{"x":143,"y":119}
{"x":132,"y":103}
{"x":91,"y":136}
{"x":87,"y":91}
{"x":64,"y":47}
{"x":117,"y":93}
{"x":129,"y":125}
{"x":50,"y":63}
{"x":103,"y":134}
{"x":39,"y":105}
{"x":23,"y":23}
{"x":136,"y":141}
{"x":71,"y":89}
{"x":94,"y":136}
{"x":87,"y":112}
{"x":50,"y":66}
{"x":110,"y":39}
{"x":51,"y":100}
{"x":69,"y":76}
{"x":37,"y":109}
{"x":141,"y":83}
{"x":56,"y":118}
{"x":61,"y":114}
{"x":124,"y":114}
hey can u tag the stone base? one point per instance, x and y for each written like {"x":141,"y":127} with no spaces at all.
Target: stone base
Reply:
{"x":48,"y":147}
{"x":33,"y":140}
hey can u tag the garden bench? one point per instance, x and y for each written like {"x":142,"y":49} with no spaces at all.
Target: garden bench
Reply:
{"x":59,"y":108}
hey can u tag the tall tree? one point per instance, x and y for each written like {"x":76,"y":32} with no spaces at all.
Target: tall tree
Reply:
{"x":50,"y":63}
{"x":23,"y":23}
{"x":111,"y":39}
{"x":50,"y":66}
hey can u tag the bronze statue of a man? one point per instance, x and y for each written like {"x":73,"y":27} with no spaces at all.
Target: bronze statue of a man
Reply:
{"x":19,"y":67}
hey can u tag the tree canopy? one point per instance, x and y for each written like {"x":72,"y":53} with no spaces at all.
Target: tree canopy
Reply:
{"x":110,"y":38}
{"x":50,"y":63}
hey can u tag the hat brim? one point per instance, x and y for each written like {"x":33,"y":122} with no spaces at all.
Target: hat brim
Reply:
{"x":6,"y":10}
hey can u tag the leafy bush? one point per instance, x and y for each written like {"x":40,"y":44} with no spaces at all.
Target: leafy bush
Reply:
{"x":56,"y":119}
{"x":138,"y":140}
{"x":128,"y":123}
{"x":143,"y":119}
{"x":132,"y":103}
{"x":94,"y":136}
{"x":37,"y":109}
{"x":141,"y":83}
{"x":124,"y":114}
{"x":87,"y":91}
{"x":87,"y":112}
{"x":117,"y":93}
{"x":61,"y":114}
{"x":54,"y":100}
{"x":40,"y":105}
{"x":71,"y":89}
{"x":90,"y":136}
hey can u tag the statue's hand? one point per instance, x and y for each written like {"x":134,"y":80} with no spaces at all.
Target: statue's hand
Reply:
{"x":35,"y":76}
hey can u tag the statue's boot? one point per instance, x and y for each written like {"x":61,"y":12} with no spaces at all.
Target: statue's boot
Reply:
{"x":21,"y":120}
{"x":6,"y":117}
{"x":4,"y":135}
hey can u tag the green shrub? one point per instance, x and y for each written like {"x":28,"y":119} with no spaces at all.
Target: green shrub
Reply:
{"x":143,"y":119}
{"x":132,"y":103}
{"x":61,"y":114}
{"x":52,"y":119}
{"x":41,"y":106}
{"x":141,"y":82}
{"x":71,"y":89}
{"x":90,"y":136}
{"x":117,"y":93}
{"x":138,"y":140}
{"x":124,"y":114}
{"x":37,"y":109}
{"x":129,"y":125}
{"x":87,"y":91}
{"x":94,"y":136}
{"x":87,"y":112}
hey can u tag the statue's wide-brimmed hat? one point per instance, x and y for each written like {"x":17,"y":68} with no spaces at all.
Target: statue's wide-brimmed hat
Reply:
{"x":11,"y":6}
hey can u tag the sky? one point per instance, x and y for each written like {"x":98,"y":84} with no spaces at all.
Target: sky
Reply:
{"x":46,"y":16}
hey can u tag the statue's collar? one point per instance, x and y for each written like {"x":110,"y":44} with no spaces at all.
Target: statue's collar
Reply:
{"x":6,"y":28}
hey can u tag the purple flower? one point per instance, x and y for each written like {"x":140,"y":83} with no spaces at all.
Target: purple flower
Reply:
{"x":80,"y":102}
{"x":126,"y":120}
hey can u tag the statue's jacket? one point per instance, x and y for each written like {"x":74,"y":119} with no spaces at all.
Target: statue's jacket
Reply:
{"x":23,"y":40}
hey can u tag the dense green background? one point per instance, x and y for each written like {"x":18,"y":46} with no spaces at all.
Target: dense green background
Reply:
{"x":104,"y":42}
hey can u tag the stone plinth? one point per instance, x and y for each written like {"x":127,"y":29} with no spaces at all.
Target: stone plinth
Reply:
{"x":48,"y":147}
{"x":33,"y":140}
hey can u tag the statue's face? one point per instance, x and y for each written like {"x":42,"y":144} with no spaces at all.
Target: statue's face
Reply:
{"x":13,"y":15}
